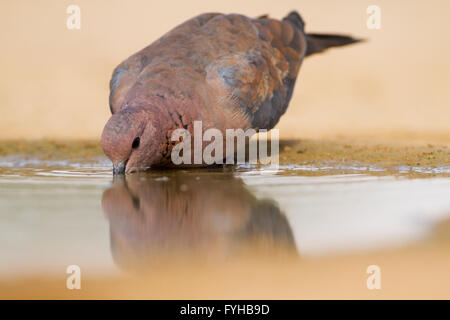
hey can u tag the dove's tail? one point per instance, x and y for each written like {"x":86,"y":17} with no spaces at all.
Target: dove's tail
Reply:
{"x":317,"y":42}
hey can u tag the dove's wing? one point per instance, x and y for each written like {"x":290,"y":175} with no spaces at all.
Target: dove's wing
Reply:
{"x":259,"y":76}
{"x":250,"y":65}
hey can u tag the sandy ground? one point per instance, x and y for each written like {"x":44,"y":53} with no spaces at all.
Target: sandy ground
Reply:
{"x":55,"y":80}
{"x":388,"y":156}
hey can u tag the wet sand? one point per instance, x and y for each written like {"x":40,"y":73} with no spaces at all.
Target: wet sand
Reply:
{"x":332,"y":156}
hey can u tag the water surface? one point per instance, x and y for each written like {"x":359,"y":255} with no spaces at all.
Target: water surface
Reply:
{"x":55,"y":214}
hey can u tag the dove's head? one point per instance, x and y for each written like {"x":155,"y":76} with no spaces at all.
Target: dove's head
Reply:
{"x":132,"y":139}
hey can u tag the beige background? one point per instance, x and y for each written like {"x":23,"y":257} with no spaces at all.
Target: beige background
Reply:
{"x":54,"y":81}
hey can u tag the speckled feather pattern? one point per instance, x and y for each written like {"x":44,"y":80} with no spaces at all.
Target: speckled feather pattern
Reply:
{"x":241,"y":67}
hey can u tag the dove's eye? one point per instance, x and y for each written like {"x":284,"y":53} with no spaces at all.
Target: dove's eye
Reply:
{"x":135,"y":143}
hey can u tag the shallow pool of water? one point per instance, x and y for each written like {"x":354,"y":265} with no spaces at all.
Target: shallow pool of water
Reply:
{"x":68,"y":213}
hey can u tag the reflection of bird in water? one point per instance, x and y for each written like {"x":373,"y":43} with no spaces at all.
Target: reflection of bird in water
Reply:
{"x":211,"y":215}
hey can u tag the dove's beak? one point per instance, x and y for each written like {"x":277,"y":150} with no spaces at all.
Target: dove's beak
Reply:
{"x":119,"y":168}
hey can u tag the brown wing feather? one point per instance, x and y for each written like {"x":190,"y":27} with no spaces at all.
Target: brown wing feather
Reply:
{"x":126,"y":74}
{"x":260,"y":77}
{"x":248,"y":64}
{"x":288,"y":49}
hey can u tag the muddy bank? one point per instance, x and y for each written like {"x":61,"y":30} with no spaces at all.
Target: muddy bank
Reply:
{"x":309,"y":157}
{"x":371,"y":157}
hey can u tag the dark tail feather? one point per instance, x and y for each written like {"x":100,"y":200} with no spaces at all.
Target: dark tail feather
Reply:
{"x":317,"y":42}
{"x":320,"y":42}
